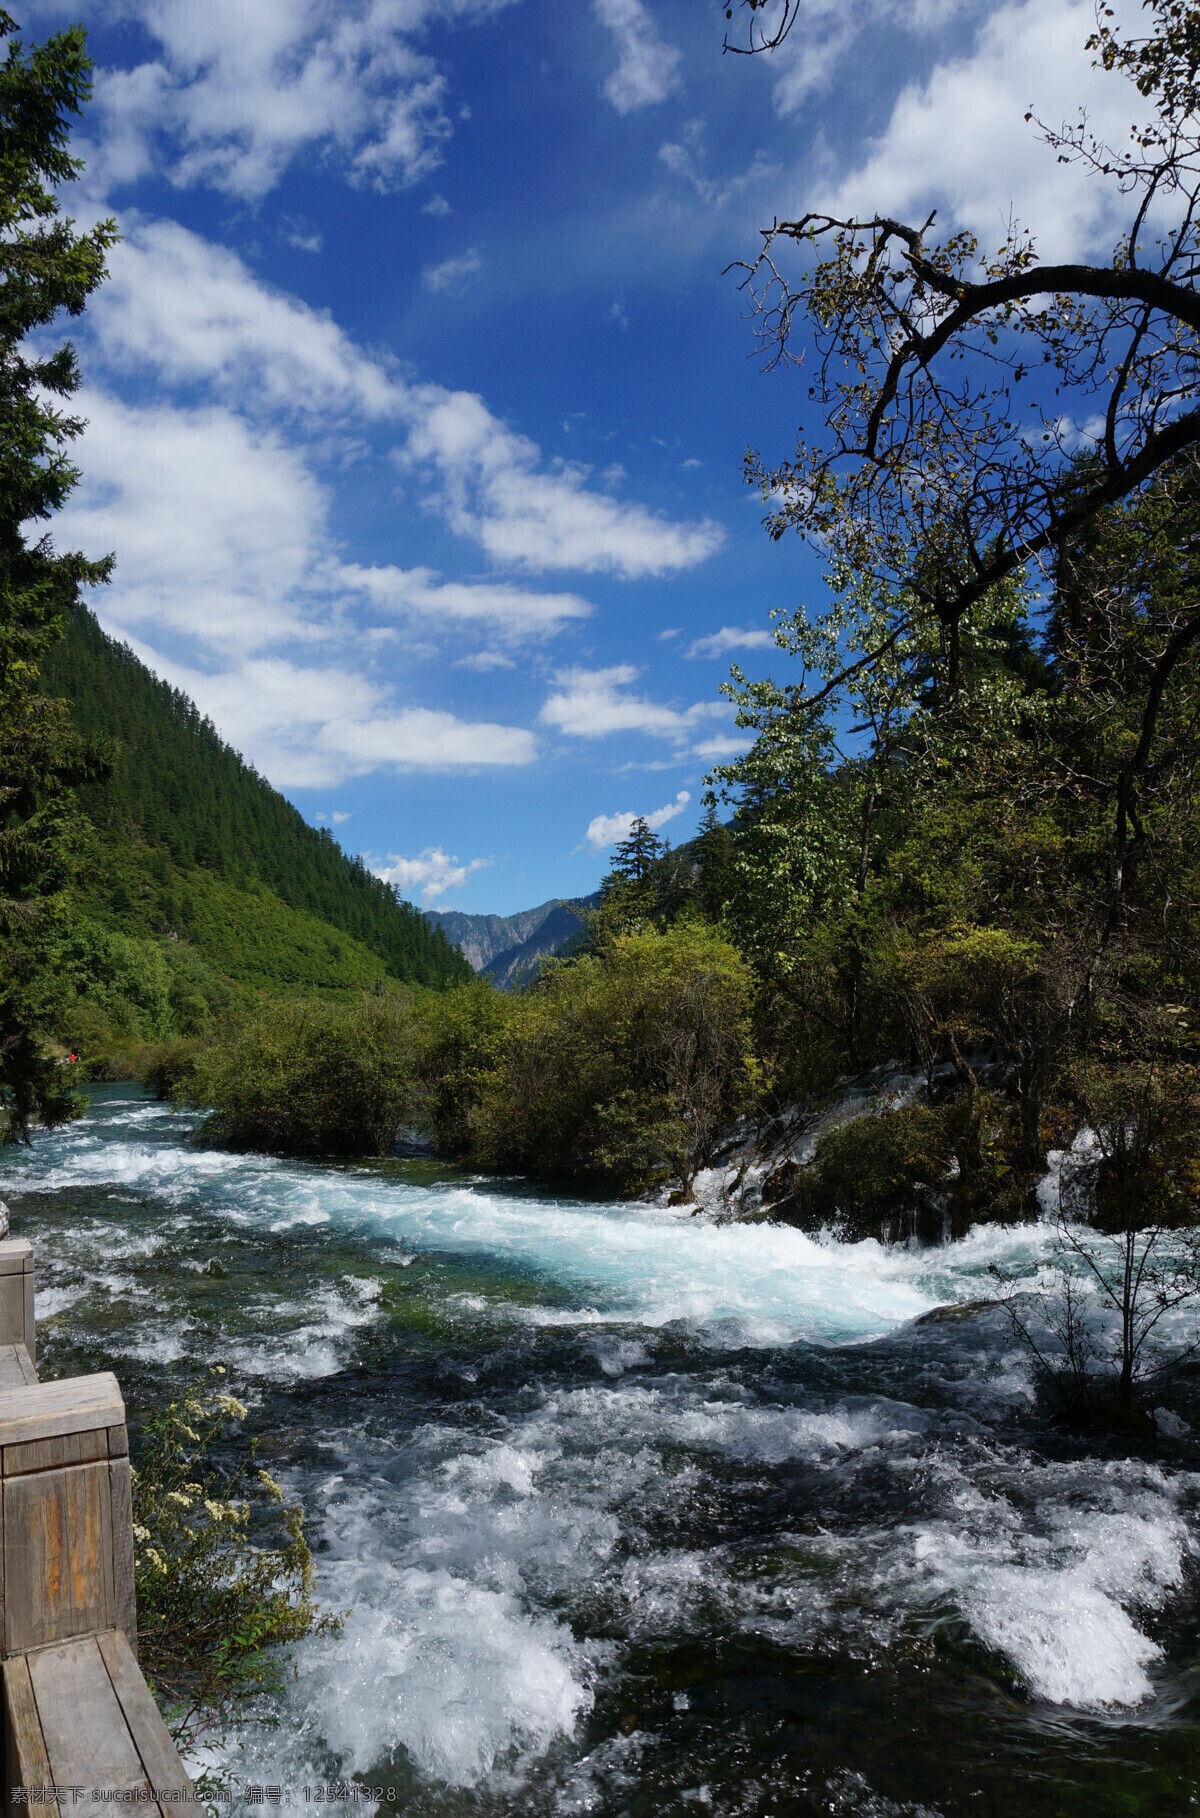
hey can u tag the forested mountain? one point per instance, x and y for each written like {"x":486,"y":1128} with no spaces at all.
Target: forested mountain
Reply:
{"x":202,"y":881}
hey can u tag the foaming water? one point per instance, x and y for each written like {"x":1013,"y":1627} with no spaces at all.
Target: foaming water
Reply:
{"x":635,"y":1511}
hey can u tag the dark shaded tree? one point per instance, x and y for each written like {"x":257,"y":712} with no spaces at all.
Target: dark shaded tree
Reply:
{"x":47,"y":269}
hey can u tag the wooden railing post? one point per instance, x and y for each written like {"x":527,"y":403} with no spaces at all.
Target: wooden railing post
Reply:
{"x":16,"y":1295}
{"x":77,"y":1714}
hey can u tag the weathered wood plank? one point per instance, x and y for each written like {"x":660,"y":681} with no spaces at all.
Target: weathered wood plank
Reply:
{"x":164,"y":1770}
{"x":30,"y":1318}
{"x":26,"y":1763}
{"x":16,"y":1255}
{"x":79,"y":1404}
{"x":12,"y":1367}
{"x":26,"y":1364}
{"x":118,"y":1442}
{"x":124,"y":1605}
{"x":58,"y":1572}
{"x":12,"y":1309}
{"x":54,"y":1453}
{"x":87,"y":1740}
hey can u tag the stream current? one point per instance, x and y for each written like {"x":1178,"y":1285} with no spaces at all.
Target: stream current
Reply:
{"x":633,"y":1512}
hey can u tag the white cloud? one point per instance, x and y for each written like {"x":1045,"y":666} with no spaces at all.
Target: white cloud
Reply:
{"x":493,"y":488}
{"x":422,"y":738}
{"x":340,"y":816}
{"x":219,"y":526}
{"x":223,"y":547}
{"x":514,"y":611}
{"x":687,"y":163}
{"x":195,"y":315}
{"x":959,"y":138}
{"x":235,"y":93}
{"x":648,"y":70}
{"x":725,"y":745}
{"x":604,"y":830}
{"x":730,"y":637}
{"x":827,"y":31}
{"x":310,"y":726}
{"x":432,"y":873}
{"x":300,"y":235}
{"x":592,"y":703}
{"x":450,"y":276}
{"x":436,"y":206}
{"x":484,"y":661}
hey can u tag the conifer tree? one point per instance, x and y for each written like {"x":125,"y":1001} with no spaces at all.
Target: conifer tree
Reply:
{"x":634,"y":855}
{"x":46,"y":268}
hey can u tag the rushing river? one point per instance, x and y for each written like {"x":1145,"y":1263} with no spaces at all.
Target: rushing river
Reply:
{"x":637,"y":1513}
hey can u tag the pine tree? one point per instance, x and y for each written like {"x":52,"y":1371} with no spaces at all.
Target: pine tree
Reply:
{"x":634,"y":856}
{"x":46,"y":267}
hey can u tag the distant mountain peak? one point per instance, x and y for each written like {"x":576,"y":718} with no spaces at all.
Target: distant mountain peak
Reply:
{"x":507,"y":947}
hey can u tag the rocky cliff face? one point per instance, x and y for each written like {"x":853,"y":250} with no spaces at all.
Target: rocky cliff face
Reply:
{"x":507,"y":947}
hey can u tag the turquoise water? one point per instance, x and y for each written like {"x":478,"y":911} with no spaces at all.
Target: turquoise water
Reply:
{"x":634,"y":1512}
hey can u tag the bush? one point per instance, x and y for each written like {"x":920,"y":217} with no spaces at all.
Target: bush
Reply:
{"x":223,"y":1572}
{"x":927,"y":1171}
{"x":866,"y":1171}
{"x":168,"y":1068}
{"x":624,"y":1066}
{"x":459,"y":1037}
{"x":316,"y":1078}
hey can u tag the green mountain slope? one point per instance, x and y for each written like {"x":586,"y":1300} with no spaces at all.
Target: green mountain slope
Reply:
{"x":203,"y":882}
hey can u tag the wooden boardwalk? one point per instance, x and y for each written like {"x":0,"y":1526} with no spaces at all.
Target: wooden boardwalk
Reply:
{"x":79,"y":1723}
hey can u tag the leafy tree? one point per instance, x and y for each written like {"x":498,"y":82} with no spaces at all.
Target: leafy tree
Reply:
{"x":625,"y":1065}
{"x":930,"y":359}
{"x":46,"y":268}
{"x":310,"y":1078}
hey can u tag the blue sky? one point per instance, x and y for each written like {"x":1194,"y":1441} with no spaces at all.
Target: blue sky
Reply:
{"x":417,"y":398}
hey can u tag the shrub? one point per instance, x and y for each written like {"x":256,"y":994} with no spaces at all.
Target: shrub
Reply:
{"x":459,"y":1036}
{"x":310,"y":1078}
{"x":866,"y":1170}
{"x":625,"y":1065}
{"x":223,"y":1572}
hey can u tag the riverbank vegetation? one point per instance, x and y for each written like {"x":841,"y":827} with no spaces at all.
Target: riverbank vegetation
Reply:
{"x":223,"y":1572}
{"x":910,"y":870}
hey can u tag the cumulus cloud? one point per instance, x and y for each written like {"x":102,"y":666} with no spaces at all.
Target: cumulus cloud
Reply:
{"x":604,"y":830}
{"x":827,"y":31}
{"x":494,"y":487}
{"x":193,"y":314}
{"x":592,"y":703}
{"x":219,"y":525}
{"x":730,"y":637}
{"x":236,"y":93}
{"x":432,"y":874}
{"x":724,"y":745}
{"x":648,"y":70}
{"x":313,"y":725}
{"x":483,"y":662}
{"x":959,"y":137}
